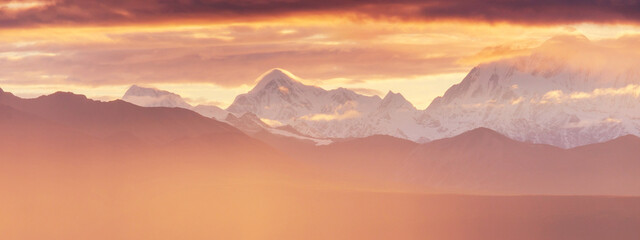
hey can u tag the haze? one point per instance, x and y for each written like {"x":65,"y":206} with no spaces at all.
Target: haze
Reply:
{"x":305,"y":119}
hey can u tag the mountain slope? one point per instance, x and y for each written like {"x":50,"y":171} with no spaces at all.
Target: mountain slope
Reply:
{"x":561,"y":94}
{"x":62,"y":166}
{"x":66,"y":127}
{"x":554,"y":96}
{"x":484,"y":161}
{"x":25,"y":136}
{"x":279,"y":96}
{"x":151,"y":97}
{"x":64,"y":132}
{"x":106,"y":119}
{"x":480,"y":161}
{"x":338,"y":113}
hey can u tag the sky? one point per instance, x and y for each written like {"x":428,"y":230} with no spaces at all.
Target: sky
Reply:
{"x":208,"y":51}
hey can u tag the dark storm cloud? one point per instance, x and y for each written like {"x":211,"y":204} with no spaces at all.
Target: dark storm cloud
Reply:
{"x":536,"y":11}
{"x":107,"y":12}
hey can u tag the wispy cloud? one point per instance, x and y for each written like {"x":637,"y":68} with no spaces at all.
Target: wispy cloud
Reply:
{"x":332,"y":117}
{"x":557,"y":96}
{"x":367,"y":91}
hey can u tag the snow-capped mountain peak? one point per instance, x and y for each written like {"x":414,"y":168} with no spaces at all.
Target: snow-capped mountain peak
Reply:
{"x":136,"y":90}
{"x":559,"y":95}
{"x":395,"y":101}
{"x":152,"y":97}
{"x":568,"y":99}
{"x":336,"y":113}
{"x":276,"y":78}
{"x":281,"y":96}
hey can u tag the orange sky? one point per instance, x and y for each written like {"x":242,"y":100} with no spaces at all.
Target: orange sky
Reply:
{"x":210,"y":51}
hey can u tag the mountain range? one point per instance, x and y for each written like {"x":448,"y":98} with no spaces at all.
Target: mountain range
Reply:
{"x":63,"y":127}
{"x":540,"y":98}
{"x":81,"y":168}
{"x":527,"y":125}
{"x":546,"y":98}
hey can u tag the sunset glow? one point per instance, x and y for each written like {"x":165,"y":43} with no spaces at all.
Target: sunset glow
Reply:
{"x":319,"y":119}
{"x":326,"y":48}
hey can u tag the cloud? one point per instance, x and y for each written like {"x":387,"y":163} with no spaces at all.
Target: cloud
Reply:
{"x":382,"y":54}
{"x":347,"y":110}
{"x":593,"y":122}
{"x":229,"y":56}
{"x":535,"y":11}
{"x":517,"y":101}
{"x":367,"y":91}
{"x":332,"y":117}
{"x":64,"y":12}
{"x":203,"y":101}
{"x":632,"y":90}
{"x":493,"y":53}
{"x":272,"y":123}
{"x":558,"y":96}
{"x":18,"y":6}
{"x":553,"y":96}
